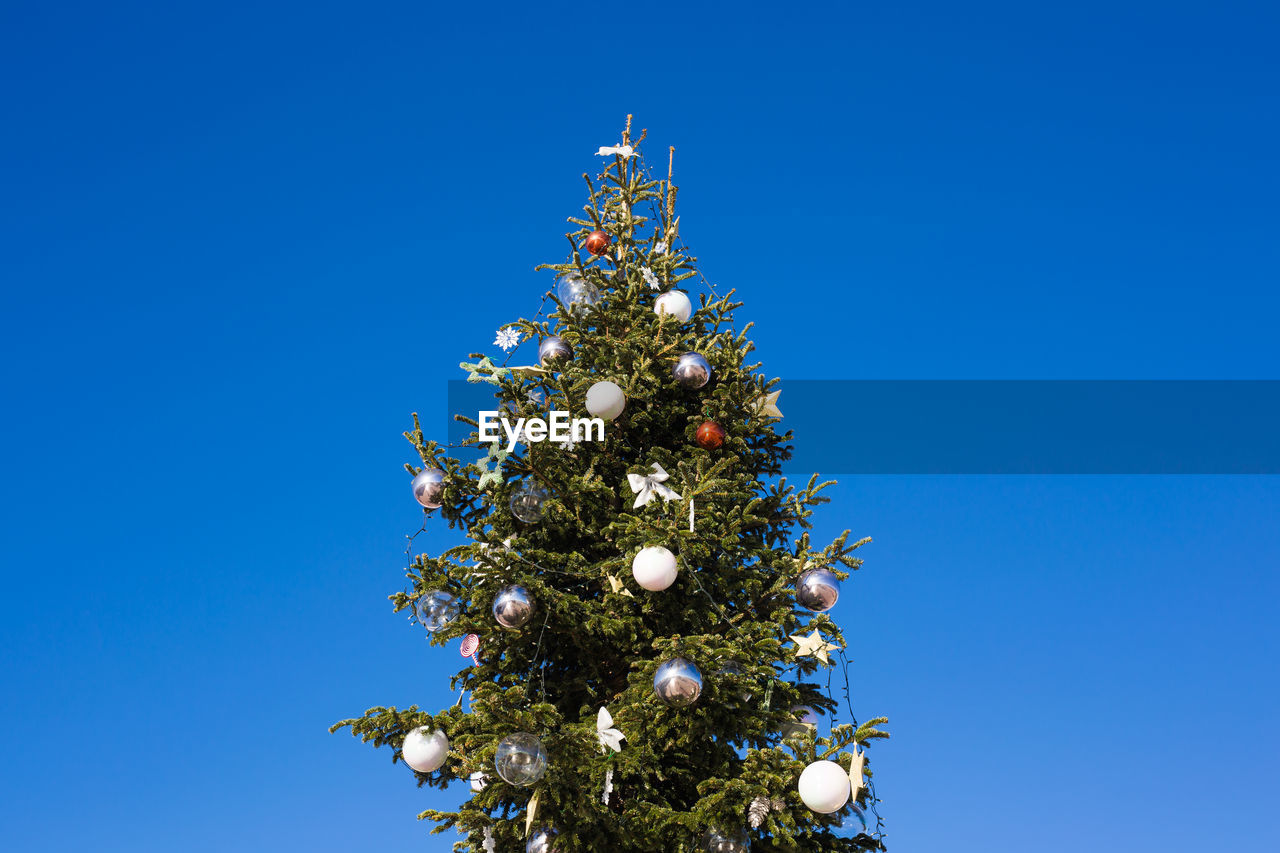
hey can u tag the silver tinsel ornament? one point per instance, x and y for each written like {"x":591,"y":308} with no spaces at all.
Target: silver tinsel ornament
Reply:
{"x":428,"y":487}
{"x":692,"y":371}
{"x":554,"y":348}
{"x":521,"y":759}
{"x":576,"y":293}
{"x":678,"y":683}
{"x":818,"y":590}
{"x":526,"y":502}
{"x":541,"y":841}
{"x":437,"y":609}
{"x":720,"y":842}
{"x":513,"y":607}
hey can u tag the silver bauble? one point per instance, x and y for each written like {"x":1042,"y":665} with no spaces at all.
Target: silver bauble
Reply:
{"x":521,"y":759}
{"x":692,"y":371}
{"x":554,"y":348}
{"x":678,"y":683}
{"x":541,"y":841}
{"x":526,"y":502}
{"x":818,"y":590}
{"x":513,"y":607}
{"x":437,"y":609}
{"x":720,"y":842}
{"x":576,"y":293}
{"x":732,"y":669}
{"x":428,"y":487}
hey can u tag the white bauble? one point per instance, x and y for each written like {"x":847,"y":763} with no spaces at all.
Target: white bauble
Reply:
{"x":478,"y":781}
{"x":676,"y":303}
{"x":825,"y":787}
{"x":425,"y":750}
{"x":605,"y":400}
{"x":654,"y":568}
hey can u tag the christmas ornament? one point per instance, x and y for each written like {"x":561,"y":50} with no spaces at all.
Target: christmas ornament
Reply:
{"x":676,"y":303}
{"x":531,"y":812}
{"x":813,"y":646}
{"x":654,"y":568}
{"x":615,"y":585}
{"x":692,"y":371}
{"x":597,"y":242}
{"x":425,"y":750}
{"x":428,"y":487}
{"x":526,"y":503}
{"x":605,"y":400}
{"x":513,"y":607}
{"x":507,"y":338}
{"x":732,"y":670}
{"x":470,"y":645}
{"x":824,"y":787}
{"x":484,"y":370}
{"x":554,"y":348}
{"x":649,"y":278}
{"x":541,"y":841}
{"x":522,"y":759}
{"x":718,"y":842}
{"x":490,"y":843}
{"x":855,"y":769}
{"x":818,"y":590}
{"x":678,"y":683}
{"x":479,"y":782}
{"x":767,"y":405}
{"x":759,"y":809}
{"x":710,"y":435}
{"x":576,"y":293}
{"x":621,"y":150}
{"x":609,"y":737}
{"x":649,"y":485}
{"x":808,"y":721}
{"x":437,"y":609}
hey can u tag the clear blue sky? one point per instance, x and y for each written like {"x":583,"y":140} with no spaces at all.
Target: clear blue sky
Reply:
{"x":241,"y":242}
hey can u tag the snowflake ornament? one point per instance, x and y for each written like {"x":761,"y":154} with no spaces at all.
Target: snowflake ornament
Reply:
{"x":534,"y":397}
{"x":507,"y":338}
{"x":649,"y":278}
{"x":660,"y":247}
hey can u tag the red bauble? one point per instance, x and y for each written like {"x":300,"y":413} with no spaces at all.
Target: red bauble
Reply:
{"x":597,"y":242}
{"x":710,"y":435}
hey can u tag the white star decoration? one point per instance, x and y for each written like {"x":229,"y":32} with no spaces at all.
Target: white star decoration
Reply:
{"x":507,"y":338}
{"x":855,"y":771}
{"x":813,"y":646}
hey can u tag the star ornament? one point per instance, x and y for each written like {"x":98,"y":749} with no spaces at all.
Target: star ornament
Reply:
{"x":767,"y":405}
{"x":813,"y":646}
{"x":855,"y":770}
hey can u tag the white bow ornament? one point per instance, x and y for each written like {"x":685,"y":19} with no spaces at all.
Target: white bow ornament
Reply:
{"x":646,"y":487}
{"x":606,"y":733}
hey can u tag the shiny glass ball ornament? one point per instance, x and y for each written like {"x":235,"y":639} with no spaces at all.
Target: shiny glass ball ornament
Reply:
{"x":825,"y":787}
{"x":437,"y":609}
{"x":597,"y":242}
{"x":428,"y":487}
{"x":605,"y":400}
{"x":425,"y":750}
{"x":514,"y":606}
{"x":721,"y":842}
{"x":576,"y":293}
{"x":807,"y":721}
{"x":541,"y":841}
{"x":654,"y":568}
{"x":678,"y":683}
{"x":676,"y":303}
{"x":692,"y":371}
{"x":526,"y":502}
{"x":709,"y":435}
{"x":731,"y":669}
{"x":818,"y":590}
{"x":521,"y":759}
{"x":554,"y":348}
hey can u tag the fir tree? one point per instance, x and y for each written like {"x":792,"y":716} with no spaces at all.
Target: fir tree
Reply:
{"x":728,"y":762}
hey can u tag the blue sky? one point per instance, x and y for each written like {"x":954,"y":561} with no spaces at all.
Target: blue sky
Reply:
{"x":241,"y":244}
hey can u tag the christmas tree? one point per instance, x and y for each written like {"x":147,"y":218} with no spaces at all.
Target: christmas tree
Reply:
{"x":644,"y":607}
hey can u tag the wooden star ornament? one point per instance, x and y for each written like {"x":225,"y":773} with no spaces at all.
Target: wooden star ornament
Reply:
{"x":767,"y":405}
{"x":813,"y":646}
